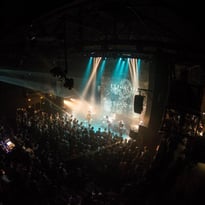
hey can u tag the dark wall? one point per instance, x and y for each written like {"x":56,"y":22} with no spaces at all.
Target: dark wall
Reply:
{"x":11,"y":97}
{"x":158,"y":82}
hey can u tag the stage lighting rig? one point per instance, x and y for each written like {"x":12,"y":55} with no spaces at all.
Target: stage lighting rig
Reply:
{"x":59,"y":72}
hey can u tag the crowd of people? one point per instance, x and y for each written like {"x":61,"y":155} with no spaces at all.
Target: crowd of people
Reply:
{"x":56,"y":160}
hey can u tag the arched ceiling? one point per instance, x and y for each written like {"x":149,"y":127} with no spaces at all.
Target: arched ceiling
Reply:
{"x":135,"y":27}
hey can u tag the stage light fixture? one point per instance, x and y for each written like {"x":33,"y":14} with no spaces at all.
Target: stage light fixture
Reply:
{"x":58,"y":72}
{"x":69,"y":82}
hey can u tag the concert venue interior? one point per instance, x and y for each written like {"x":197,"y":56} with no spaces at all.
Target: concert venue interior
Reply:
{"x":104,"y":86}
{"x":101,"y":103}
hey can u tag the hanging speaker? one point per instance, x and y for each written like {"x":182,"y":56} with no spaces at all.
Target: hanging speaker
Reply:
{"x":138,"y":103}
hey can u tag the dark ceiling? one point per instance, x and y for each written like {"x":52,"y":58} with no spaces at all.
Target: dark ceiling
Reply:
{"x":136,"y":27}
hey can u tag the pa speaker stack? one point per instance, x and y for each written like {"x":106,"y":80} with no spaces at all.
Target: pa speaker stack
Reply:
{"x":138,"y":103}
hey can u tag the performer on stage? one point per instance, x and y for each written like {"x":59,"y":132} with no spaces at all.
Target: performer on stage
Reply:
{"x":89,"y":116}
{"x":121,"y":127}
{"x":108,"y":121}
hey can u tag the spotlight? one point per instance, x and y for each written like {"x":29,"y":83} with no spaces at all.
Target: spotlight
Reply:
{"x":58,"y":72}
{"x":69,"y":82}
